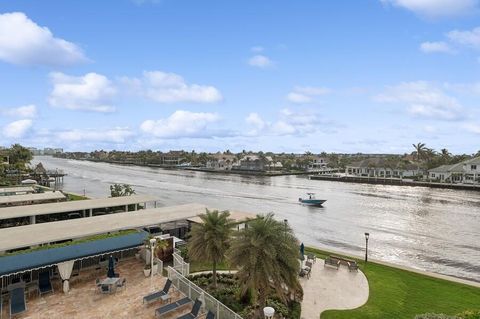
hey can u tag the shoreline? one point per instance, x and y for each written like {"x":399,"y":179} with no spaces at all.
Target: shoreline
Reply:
{"x":195,"y":169}
{"x":394,"y":182}
{"x":311,"y":176}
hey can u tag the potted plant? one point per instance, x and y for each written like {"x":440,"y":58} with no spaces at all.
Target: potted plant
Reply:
{"x":146,"y":270}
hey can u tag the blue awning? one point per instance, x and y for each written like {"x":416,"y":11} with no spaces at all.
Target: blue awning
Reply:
{"x":46,"y":257}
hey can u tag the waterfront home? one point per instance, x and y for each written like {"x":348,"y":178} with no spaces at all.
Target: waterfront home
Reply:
{"x":466,"y":172}
{"x":221,"y":162}
{"x":253,"y":163}
{"x":172,"y":158}
{"x":317,"y":164}
{"x":272,"y":165}
{"x":381,"y":167}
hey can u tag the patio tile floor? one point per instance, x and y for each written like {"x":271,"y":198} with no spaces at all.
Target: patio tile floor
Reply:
{"x":83,"y":301}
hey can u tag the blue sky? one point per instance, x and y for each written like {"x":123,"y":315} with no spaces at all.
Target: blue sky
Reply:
{"x":273,"y":75}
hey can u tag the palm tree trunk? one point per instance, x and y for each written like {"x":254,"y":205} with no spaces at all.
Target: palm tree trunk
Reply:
{"x":214,"y":273}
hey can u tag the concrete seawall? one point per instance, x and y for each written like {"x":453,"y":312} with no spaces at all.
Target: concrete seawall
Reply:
{"x":392,"y":181}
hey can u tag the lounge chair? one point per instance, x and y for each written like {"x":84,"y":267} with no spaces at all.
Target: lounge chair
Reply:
{"x":17,"y":300}
{"x":122,"y":283}
{"x":172,"y":306}
{"x":156,"y":295}
{"x":44,"y":283}
{"x":210,"y":315}
{"x":194,"y":312}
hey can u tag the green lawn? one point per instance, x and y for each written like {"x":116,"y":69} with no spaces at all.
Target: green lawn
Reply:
{"x":75,"y":197}
{"x":196,"y":266}
{"x":398,"y":294}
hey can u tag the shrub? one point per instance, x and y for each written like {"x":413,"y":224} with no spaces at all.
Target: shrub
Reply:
{"x":470,"y":314}
{"x":295,"y":310}
{"x":435,"y":316}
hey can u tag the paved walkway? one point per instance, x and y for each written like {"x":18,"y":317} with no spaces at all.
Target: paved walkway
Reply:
{"x":329,"y":288}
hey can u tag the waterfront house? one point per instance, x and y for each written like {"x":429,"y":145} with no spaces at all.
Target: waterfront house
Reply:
{"x":381,"y":167}
{"x":466,"y":172}
{"x":221,"y":162}
{"x":317,"y":164}
{"x":272,"y":165}
{"x":172,"y":158}
{"x":253,"y":163}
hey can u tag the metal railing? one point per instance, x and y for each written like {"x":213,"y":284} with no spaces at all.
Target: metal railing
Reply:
{"x":192,"y":291}
{"x":179,"y":263}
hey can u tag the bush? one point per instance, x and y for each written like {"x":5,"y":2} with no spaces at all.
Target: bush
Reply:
{"x":295,"y":310}
{"x":470,"y":314}
{"x":435,"y":316}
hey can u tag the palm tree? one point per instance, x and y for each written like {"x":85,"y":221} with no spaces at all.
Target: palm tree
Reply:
{"x":209,"y":240}
{"x":419,"y":150}
{"x":266,"y":255}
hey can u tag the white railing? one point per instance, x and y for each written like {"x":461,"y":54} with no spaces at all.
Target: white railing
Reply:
{"x":192,"y":291}
{"x":179,"y":263}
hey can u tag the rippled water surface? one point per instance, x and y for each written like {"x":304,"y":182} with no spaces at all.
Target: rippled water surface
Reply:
{"x":430,"y":229}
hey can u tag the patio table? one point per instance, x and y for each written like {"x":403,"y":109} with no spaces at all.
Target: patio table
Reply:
{"x":110,"y":282}
{"x":166,"y":297}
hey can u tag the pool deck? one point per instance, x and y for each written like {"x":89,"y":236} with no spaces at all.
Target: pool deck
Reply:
{"x":329,"y":288}
{"x":83,"y":301}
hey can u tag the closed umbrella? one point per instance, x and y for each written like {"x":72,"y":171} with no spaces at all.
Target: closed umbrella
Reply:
{"x":302,"y":251}
{"x":111,"y":267}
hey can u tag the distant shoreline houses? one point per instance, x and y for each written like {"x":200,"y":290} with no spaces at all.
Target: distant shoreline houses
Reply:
{"x":383,"y":166}
{"x":466,"y":172}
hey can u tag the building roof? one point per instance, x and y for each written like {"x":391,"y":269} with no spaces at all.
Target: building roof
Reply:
{"x":456,"y":168}
{"x":36,"y":234}
{"x":237,"y":216}
{"x":46,"y":257}
{"x":17,"y":189}
{"x":71,"y":206}
{"x":12,"y":199}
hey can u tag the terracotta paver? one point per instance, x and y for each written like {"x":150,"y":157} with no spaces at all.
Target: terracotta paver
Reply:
{"x":82,"y":301}
{"x":329,"y":288}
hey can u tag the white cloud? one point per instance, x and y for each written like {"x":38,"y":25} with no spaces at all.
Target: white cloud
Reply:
{"x":423,"y":100}
{"x":295,"y":97}
{"x":109,"y":135}
{"x":17,"y":129}
{"x":163,"y":87}
{"x":470,"y":38}
{"x":464,"y":88}
{"x":260,"y":61}
{"x":91,"y":92}
{"x":436,"y":8}
{"x":435,"y":47}
{"x":257,"y":48}
{"x":472,"y":128}
{"x":305,"y":94}
{"x":27,"y":111}
{"x":24,"y":42}
{"x":183,"y":124}
{"x":288,"y":123}
{"x":255,"y":120}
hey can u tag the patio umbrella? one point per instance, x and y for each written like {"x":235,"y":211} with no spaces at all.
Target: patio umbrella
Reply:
{"x":111,"y":266}
{"x":302,"y":251}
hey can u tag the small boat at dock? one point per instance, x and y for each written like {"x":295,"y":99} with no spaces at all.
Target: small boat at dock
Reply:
{"x":311,"y":200}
